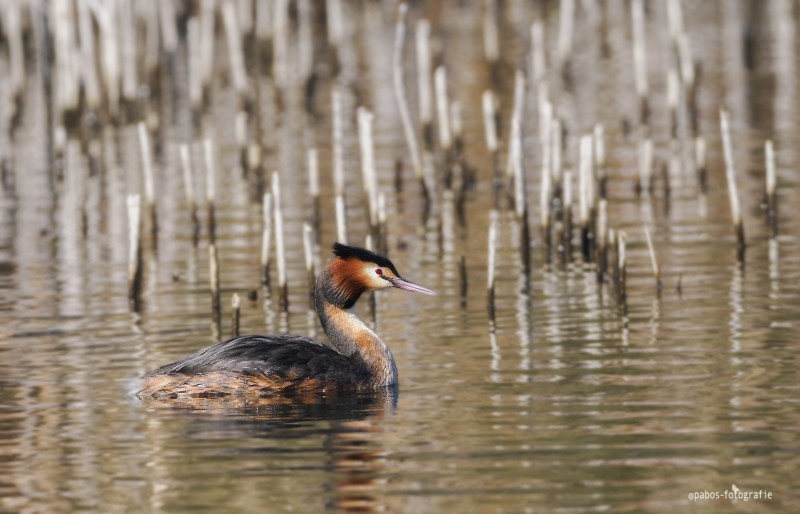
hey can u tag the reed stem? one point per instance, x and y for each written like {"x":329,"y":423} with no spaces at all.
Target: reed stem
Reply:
{"x":134,"y":251}
{"x":640,"y":59}
{"x":400,"y":94}
{"x":234,"y":40}
{"x":368,"y":164}
{"x":211,"y":181}
{"x":266,"y":237}
{"x":424,"y":84}
{"x":490,"y":130}
{"x":586,"y":197}
{"x":236,"y":303}
{"x":308,"y":249}
{"x":341,"y":220}
{"x":602,"y":230}
{"x":279,"y":246}
{"x":338,"y":141}
{"x":463,"y":280}
{"x":313,"y":188}
{"x":730,"y":175}
{"x":147,"y":168}
{"x":566,"y":22}
{"x":622,"y":267}
{"x":491,"y":262}
{"x":213,"y":277}
{"x":442,"y":108}
{"x":771,"y":184}
{"x":538,"y":52}
{"x":188,"y":184}
{"x":653,"y":260}
{"x":600,"y":159}
{"x":491,"y":42}
{"x":700,"y":163}
{"x":566,"y":235}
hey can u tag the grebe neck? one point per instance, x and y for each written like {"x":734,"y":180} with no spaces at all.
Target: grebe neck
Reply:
{"x":348,"y":334}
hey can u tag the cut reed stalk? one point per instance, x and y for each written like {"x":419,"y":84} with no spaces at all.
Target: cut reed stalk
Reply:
{"x":640,"y":59}
{"x":623,"y":269}
{"x":538,"y":52}
{"x":730,"y":175}
{"x":672,"y":102}
{"x":241,"y":142}
{"x":236,"y":304}
{"x":600,"y":159}
{"x":612,"y":246}
{"x":280,"y":43}
{"x":463,"y":280}
{"x":305,"y":51}
{"x":134,"y":250}
{"x":653,"y":260}
{"x":424,"y":82}
{"x":207,"y":41}
{"x":169,"y":32}
{"x":13,"y":31}
{"x":308,"y":248}
{"x":602,"y":231}
{"x":400,"y":95}
{"x":491,"y":41}
{"x":491,"y":262}
{"x":213,"y":278}
{"x":88,"y":57}
{"x":313,"y":188}
{"x":566,"y":212}
{"x":147,"y":169}
{"x":586,"y":197}
{"x":266,"y":237}
{"x":236,"y":56}
{"x":546,"y":195}
{"x":457,"y":125}
{"x":335,"y":25}
{"x":188,"y":184}
{"x":644,"y":181}
{"x":383,"y":245}
{"x":442,"y":108}
{"x":341,"y":220}
{"x":516,"y":122}
{"x":338,"y":141}
{"x":556,"y":156}
{"x":194,"y":66}
{"x":566,"y":22}
{"x":771,"y":201}
{"x":368,"y":164}
{"x":490,"y":129}
{"x":211,"y":181}
{"x":700,"y":163}
{"x":280,"y":253}
{"x":517,"y":154}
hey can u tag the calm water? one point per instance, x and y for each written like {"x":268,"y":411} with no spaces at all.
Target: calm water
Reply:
{"x":575,"y":403}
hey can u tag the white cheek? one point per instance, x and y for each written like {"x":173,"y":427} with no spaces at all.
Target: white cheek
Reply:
{"x":375,"y":281}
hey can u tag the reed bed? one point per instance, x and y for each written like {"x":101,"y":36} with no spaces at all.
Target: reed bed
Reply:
{"x":115,"y":65}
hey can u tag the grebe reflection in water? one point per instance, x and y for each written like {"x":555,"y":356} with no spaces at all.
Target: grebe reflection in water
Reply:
{"x":290,"y":364}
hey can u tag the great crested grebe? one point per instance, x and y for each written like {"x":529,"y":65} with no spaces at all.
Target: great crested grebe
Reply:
{"x":275,"y":364}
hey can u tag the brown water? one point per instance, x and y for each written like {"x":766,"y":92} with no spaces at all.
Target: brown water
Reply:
{"x":574,"y":403}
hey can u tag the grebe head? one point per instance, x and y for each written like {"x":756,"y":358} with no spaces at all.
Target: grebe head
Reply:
{"x":359,"y":270}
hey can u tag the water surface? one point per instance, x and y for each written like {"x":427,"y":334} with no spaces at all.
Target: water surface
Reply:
{"x":571,"y":402}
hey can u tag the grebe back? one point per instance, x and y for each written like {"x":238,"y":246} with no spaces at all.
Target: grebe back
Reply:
{"x":276,"y":364}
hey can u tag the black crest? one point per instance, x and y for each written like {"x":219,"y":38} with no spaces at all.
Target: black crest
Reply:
{"x":351,"y":252}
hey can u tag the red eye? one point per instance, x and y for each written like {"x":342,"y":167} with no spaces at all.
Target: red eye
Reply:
{"x":378,"y":271}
